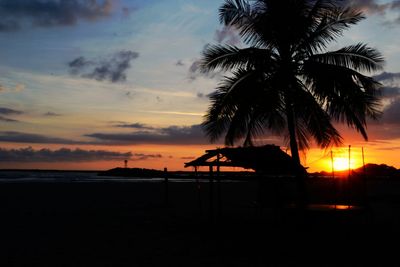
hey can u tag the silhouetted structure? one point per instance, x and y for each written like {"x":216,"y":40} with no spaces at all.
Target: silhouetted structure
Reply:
{"x":268,"y":159}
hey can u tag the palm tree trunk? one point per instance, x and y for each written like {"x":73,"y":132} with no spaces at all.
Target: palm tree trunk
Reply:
{"x":292,"y":135}
{"x":294,"y":149}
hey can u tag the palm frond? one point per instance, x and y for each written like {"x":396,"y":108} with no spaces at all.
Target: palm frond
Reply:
{"x":234,"y":12}
{"x":243,"y":107}
{"x":348,"y":96}
{"x":358,"y":57}
{"x":315,"y":119}
{"x":326,"y":26}
{"x":227,"y":57}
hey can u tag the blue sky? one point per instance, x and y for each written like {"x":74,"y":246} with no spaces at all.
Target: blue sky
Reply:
{"x":134,"y":65}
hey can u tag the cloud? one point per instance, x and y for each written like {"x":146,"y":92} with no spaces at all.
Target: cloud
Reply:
{"x":179,"y":135}
{"x":9,"y":111}
{"x":227,"y":35}
{"x":129,"y":95}
{"x":140,"y":156}
{"x":387,"y":76}
{"x":112,"y":69}
{"x":194,"y":72}
{"x":14,"y":14}
{"x":391,"y":84}
{"x":19,"y":137}
{"x":200,"y":95}
{"x":203,"y":95}
{"x":17,"y":88}
{"x":188,"y":158}
{"x":136,"y":125}
{"x":390,"y":91}
{"x":180,"y":63}
{"x":369,"y":6}
{"x":7,"y":119}
{"x":61,"y":155}
{"x":391,"y":114}
{"x":78,"y":64}
{"x":374,"y":7}
{"x":127,"y":11}
{"x":51,"y":114}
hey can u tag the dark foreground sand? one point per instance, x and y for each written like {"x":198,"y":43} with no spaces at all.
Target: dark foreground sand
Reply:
{"x":129,"y":224}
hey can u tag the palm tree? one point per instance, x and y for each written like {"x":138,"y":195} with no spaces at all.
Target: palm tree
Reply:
{"x":284,"y":82}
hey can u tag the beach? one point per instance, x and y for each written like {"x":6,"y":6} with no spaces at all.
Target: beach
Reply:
{"x":121,"y":223}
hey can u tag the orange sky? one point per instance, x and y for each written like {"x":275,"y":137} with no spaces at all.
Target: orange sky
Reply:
{"x":174,"y":157}
{"x":151,"y":98}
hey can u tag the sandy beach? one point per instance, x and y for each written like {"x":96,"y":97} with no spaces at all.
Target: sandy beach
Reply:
{"x":130,"y":224}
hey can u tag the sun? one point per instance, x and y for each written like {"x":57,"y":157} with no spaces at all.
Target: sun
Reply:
{"x":341,"y":164}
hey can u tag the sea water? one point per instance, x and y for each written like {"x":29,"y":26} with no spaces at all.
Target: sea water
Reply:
{"x":75,"y":177}
{"x":66,"y":176}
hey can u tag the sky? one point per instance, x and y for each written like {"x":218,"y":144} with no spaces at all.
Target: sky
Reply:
{"x":86,"y":84}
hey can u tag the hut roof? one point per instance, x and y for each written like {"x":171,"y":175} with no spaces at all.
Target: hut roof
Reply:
{"x":268,"y":159}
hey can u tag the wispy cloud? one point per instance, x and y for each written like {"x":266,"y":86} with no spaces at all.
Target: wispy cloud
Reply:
{"x":20,"y":137}
{"x":139,"y":126}
{"x":374,"y":7}
{"x":387,"y":76}
{"x":182,"y":113}
{"x":169,"y":135}
{"x":180,"y":63}
{"x":141,"y":156}
{"x":16,"y":88}
{"x":61,"y":155}
{"x":14,"y":14}
{"x":52,"y":114}
{"x":228,"y":35}
{"x":4,"y":119}
{"x":188,"y":158}
{"x":9,"y":111}
{"x":113,"y":68}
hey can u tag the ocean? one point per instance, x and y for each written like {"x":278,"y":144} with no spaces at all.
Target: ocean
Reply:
{"x":66,"y":176}
{"x":79,"y":176}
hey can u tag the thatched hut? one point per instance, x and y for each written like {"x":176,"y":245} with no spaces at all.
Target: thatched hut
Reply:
{"x":268,"y":159}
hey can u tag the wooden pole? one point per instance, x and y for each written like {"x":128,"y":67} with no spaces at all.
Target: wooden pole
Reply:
{"x":219,"y":199}
{"x":349,"y":160}
{"x":333,"y":167}
{"x":198,"y":187}
{"x":333,"y":180}
{"x":364,"y":177}
{"x":166,"y":189}
{"x":211,"y":195}
{"x":363,"y":159}
{"x":348,"y":186}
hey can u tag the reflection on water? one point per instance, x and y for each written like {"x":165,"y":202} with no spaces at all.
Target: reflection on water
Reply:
{"x":332,"y":207}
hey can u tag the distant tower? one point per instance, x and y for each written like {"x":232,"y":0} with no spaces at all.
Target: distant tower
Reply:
{"x":126,"y":163}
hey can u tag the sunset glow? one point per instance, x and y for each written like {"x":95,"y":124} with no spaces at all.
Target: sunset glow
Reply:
{"x":341,"y":164}
{"x":126,"y":79}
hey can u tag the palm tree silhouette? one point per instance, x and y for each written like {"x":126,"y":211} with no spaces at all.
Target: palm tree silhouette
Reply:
{"x":285,"y":82}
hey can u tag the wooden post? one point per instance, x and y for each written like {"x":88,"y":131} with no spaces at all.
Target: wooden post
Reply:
{"x":219,"y":199}
{"x":349,"y":185}
{"x":166,"y":189}
{"x":364,"y":178}
{"x":211,"y":195}
{"x":333,"y":181}
{"x":198,"y":188}
{"x":349,"y":160}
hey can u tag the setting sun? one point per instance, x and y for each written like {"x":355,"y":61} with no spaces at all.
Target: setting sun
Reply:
{"x":341,"y":164}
